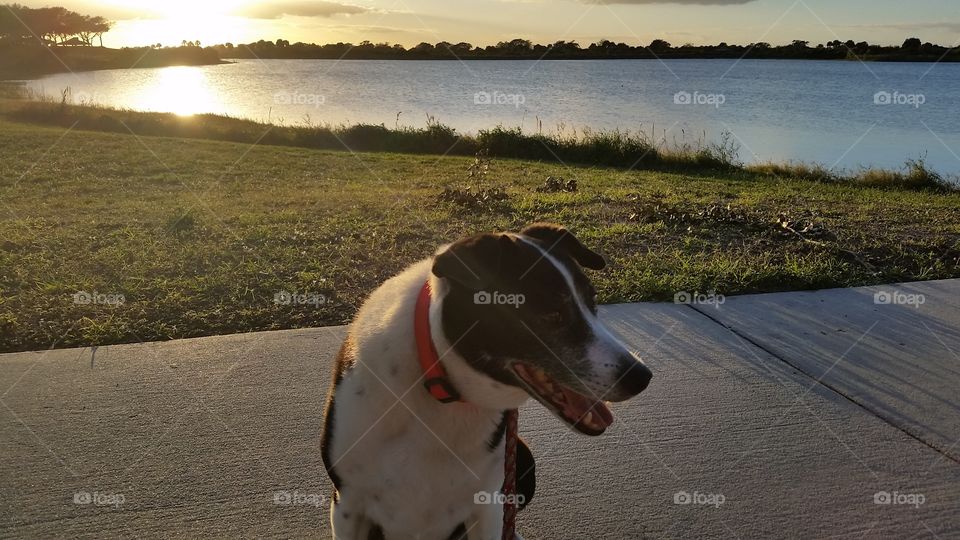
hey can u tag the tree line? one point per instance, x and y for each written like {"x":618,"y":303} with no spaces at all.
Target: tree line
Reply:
{"x":911,"y":49}
{"x":50,"y":26}
{"x":59,"y":26}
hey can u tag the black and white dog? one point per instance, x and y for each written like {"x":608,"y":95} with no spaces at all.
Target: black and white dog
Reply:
{"x":508,"y":316}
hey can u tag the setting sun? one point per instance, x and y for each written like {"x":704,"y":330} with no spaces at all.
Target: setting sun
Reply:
{"x":174,"y":21}
{"x":172,"y":31}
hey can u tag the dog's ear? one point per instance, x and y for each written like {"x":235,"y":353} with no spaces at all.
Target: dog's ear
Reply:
{"x":559,"y":238}
{"x":473,"y":262}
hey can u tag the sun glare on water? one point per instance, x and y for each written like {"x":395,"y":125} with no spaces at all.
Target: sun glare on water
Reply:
{"x":180,"y":90}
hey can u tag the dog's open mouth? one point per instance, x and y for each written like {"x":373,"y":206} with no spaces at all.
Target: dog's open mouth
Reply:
{"x":588,"y":415}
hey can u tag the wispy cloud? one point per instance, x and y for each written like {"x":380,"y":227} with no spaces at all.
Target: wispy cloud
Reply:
{"x":370,"y":29}
{"x":317,"y":8}
{"x":950,"y":26}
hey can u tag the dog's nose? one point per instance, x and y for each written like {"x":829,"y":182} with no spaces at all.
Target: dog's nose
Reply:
{"x":636,"y":378}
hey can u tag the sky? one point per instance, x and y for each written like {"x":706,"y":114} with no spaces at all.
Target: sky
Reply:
{"x":484,"y":22}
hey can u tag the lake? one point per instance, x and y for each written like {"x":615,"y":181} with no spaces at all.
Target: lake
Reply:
{"x":840,"y":114}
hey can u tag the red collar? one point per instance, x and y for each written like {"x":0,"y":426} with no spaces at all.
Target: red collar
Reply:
{"x":440,"y":388}
{"x":437,"y":382}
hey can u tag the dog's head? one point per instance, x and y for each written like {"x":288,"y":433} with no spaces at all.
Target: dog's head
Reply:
{"x":519,"y":309}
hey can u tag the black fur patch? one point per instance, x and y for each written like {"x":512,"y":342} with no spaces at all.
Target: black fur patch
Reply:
{"x":340,"y":369}
{"x":497,"y":436}
{"x":526,"y":473}
{"x":548,"y":324}
{"x":460,"y":533}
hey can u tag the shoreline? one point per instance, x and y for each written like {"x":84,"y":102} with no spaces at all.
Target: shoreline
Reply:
{"x":19,"y":63}
{"x":5,"y":78}
{"x":893,"y":60}
{"x":597,"y":148}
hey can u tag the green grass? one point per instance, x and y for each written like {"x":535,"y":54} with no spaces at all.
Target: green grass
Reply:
{"x":198,"y":236}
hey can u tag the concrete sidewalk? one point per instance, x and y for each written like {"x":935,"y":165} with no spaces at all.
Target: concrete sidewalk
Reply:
{"x":781,"y":415}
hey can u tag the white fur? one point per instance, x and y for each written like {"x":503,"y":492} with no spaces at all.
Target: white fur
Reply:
{"x":411,"y":465}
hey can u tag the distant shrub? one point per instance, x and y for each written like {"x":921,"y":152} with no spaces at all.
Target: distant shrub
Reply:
{"x":915,"y":175}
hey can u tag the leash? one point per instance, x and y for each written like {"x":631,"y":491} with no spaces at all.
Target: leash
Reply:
{"x":439,"y":386}
{"x":510,"y":476}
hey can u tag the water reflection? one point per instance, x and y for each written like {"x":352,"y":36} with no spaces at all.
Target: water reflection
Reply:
{"x":183,"y":91}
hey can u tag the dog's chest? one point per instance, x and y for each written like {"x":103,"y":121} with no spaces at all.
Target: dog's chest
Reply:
{"x":417,"y":465}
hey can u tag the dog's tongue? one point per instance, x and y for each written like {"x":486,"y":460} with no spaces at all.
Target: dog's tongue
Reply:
{"x":588,"y":415}
{"x":589,"y":411}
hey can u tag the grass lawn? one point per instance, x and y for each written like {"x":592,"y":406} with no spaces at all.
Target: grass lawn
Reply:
{"x":199,"y":236}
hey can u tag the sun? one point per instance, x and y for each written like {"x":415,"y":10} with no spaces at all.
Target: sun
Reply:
{"x":170,"y":22}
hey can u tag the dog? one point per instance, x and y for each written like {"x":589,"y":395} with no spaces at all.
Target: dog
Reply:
{"x":409,"y":444}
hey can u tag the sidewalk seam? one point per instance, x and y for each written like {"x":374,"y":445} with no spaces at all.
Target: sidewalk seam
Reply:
{"x":824,"y":383}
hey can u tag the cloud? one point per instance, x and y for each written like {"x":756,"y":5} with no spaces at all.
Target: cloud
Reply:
{"x":369,"y":29}
{"x":950,"y":26}
{"x":303,"y":8}
{"x":681,"y":2}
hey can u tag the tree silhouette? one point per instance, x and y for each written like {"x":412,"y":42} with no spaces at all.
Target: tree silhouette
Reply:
{"x":912,"y":44}
{"x":50,"y":25}
{"x":659,"y":45}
